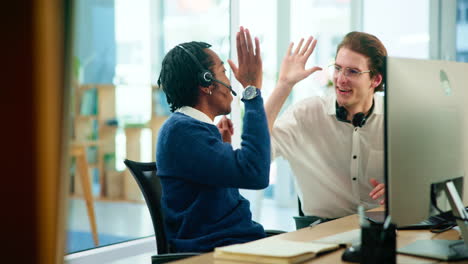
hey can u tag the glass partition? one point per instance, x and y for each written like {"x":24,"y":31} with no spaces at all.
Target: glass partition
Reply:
{"x":118,"y":109}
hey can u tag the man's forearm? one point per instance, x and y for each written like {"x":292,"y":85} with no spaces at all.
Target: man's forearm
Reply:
{"x":276,"y":101}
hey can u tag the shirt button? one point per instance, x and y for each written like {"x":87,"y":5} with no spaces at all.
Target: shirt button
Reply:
{"x":354,"y":157}
{"x":354,"y":178}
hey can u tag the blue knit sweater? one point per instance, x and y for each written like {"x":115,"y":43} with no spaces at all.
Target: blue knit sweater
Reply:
{"x":200,"y":177}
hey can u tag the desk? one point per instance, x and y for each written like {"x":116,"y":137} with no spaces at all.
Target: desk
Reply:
{"x":404,"y":237}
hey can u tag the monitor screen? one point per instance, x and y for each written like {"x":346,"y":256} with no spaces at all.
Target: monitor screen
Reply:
{"x":426,"y":109}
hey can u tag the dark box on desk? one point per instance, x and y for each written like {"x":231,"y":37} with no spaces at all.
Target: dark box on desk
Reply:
{"x":378,"y":245}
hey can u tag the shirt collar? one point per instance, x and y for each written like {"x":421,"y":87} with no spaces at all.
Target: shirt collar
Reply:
{"x":196,"y":114}
{"x":378,"y":104}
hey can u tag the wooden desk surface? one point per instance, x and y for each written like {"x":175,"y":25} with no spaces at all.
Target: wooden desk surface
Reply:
{"x":404,"y":237}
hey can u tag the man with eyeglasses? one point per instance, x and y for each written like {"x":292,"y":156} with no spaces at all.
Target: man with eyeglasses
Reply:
{"x":334,"y":144}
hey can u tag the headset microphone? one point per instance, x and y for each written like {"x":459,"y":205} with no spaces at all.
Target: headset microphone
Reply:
{"x":205,"y":78}
{"x":228,"y":86}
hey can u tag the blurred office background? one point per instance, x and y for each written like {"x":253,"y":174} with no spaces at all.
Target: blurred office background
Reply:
{"x":122,"y":43}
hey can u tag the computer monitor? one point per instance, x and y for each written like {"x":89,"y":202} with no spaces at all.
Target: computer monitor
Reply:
{"x":426,"y":136}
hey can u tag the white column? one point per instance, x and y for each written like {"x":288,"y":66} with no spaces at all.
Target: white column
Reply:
{"x":448,"y":32}
{"x":434,"y":29}
{"x":357,"y":15}
{"x":442,"y":29}
{"x":236,"y":103}
{"x":283,"y":186}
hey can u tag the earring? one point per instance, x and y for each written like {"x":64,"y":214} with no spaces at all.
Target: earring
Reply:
{"x":210,"y":92}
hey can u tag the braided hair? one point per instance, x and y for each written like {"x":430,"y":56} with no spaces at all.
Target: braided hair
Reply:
{"x":179,"y":74}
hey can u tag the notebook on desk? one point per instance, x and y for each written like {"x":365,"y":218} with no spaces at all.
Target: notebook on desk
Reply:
{"x":273,"y":251}
{"x":348,"y":238}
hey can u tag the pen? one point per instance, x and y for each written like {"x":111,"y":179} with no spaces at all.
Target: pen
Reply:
{"x":315,"y":223}
{"x":362,"y":220}
{"x":386,"y":224}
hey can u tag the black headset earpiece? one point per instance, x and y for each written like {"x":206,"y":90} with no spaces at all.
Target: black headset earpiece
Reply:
{"x":205,"y":77}
{"x":341,"y":113}
{"x":359,"y":119}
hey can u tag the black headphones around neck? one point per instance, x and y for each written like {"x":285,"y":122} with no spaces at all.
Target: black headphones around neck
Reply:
{"x":359,"y":119}
{"x":205,"y":77}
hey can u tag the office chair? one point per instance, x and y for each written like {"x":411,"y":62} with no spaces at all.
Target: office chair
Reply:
{"x":305,"y":220}
{"x":299,"y":207}
{"x":301,"y":220}
{"x":150,"y":186}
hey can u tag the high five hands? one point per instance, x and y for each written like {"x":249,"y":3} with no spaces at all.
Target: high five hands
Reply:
{"x":250,"y":70}
{"x":293,"y":66}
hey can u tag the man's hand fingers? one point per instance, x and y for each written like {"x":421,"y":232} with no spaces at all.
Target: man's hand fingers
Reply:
{"x":291,"y":45}
{"x":311,"y":48}
{"x":257,"y":50}
{"x":249,"y":41}
{"x":243,"y":46}
{"x":312,"y":70}
{"x":377,"y":189}
{"x":230,"y":126}
{"x":239,"y":48}
{"x":233,"y":67}
{"x":378,"y":194}
{"x":225,"y":126}
{"x":374,"y":182}
{"x":225,"y":129}
{"x":306,"y":46}
{"x":298,"y":48}
{"x":221,"y":125}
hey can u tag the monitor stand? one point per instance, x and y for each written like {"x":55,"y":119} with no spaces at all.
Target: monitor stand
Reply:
{"x":444,"y":249}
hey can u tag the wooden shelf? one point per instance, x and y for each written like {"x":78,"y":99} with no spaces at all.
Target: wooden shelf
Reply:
{"x":88,"y":143}
{"x":94,"y":106}
{"x":109,"y":200}
{"x":98,"y":86}
{"x":86,"y":117}
{"x":91,"y":130}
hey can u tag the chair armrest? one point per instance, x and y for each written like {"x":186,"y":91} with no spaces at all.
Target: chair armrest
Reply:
{"x":164,"y":258}
{"x":270,"y":232}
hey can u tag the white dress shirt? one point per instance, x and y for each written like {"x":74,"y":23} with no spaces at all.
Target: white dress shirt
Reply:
{"x":332,"y":160}
{"x":195,"y":113}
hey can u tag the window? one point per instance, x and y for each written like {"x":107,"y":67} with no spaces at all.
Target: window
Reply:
{"x":279,"y":23}
{"x":119,"y":45}
{"x":328,"y":22}
{"x":403,"y":31}
{"x":462,"y":31}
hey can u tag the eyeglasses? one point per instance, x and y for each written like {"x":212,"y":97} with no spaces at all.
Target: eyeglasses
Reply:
{"x":347,"y":72}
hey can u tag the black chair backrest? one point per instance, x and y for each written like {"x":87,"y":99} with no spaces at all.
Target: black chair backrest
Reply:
{"x":299,"y":206}
{"x":150,"y":185}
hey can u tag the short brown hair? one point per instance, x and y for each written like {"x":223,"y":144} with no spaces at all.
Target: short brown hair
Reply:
{"x":369,"y":46}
